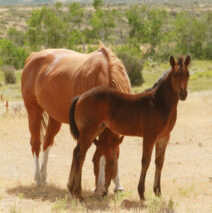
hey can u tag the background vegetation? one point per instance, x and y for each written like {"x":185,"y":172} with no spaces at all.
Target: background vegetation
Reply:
{"x":141,"y":34}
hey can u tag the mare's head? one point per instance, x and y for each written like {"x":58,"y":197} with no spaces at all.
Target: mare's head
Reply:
{"x":105,"y":160}
{"x":180,"y":76}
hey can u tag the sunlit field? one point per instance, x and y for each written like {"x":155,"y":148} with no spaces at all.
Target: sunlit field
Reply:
{"x":186,"y":181}
{"x":186,"y":176}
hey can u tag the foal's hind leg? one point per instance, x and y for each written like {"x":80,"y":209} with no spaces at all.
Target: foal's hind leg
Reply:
{"x":52,"y":129}
{"x":160,"y":149}
{"x":34,"y":118}
{"x":74,"y":183}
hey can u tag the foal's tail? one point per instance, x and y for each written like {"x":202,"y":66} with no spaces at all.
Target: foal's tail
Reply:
{"x":72,"y":122}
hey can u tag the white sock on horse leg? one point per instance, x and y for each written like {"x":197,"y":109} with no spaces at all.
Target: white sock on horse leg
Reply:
{"x":44,"y":165}
{"x":100,"y":188}
{"x":37,"y":176}
{"x":118,"y":186}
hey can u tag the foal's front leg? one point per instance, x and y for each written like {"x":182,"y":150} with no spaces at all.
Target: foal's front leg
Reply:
{"x":160,"y":148}
{"x":148,"y":143}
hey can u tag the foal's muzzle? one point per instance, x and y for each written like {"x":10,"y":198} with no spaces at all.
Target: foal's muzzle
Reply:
{"x":182,"y":95}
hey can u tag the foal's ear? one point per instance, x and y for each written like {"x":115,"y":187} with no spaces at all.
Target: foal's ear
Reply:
{"x":187,"y":61}
{"x":172,"y":61}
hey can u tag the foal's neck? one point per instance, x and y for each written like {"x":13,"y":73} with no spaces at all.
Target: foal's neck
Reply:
{"x":165,"y":95}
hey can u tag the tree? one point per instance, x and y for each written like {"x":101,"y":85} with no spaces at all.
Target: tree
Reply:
{"x":45,"y":28}
{"x":97,"y":4}
{"x":183,"y":30}
{"x":146,"y":26}
{"x":18,"y":37}
{"x":208,"y":39}
{"x":102,"y":23}
{"x":76,"y":14}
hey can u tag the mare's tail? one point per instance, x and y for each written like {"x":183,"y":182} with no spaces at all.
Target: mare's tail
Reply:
{"x":43,"y":127}
{"x":72,"y":122}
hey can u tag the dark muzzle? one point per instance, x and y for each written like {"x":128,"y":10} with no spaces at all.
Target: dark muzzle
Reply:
{"x":182,"y":95}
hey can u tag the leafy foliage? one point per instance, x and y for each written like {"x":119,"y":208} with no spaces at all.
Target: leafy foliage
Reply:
{"x":9,"y":75}
{"x":137,"y":30}
{"x":45,"y":28}
{"x":10,"y":54}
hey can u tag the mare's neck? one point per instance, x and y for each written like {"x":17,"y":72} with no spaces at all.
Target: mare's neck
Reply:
{"x":165,"y":95}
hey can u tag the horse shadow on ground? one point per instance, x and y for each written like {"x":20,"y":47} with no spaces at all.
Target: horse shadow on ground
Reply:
{"x":48,"y":192}
{"x":53,"y":193}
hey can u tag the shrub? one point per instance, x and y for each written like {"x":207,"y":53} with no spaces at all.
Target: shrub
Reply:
{"x":134,"y":66}
{"x":10,"y":54}
{"x":9,"y":75}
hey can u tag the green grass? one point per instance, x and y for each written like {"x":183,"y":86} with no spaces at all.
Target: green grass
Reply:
{"x":186,"y":191}
{"x":200,"y":75}
{"x":159,"y":204}
{"x":200,"y":79}
{"x":14,"y":209}
{"x":60,"y":204}
{"x":11,"y":91}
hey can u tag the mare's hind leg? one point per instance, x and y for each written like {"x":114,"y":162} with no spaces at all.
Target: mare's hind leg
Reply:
{"x":34,"y":118}
{"x":74,"y":182}
{"x":148,"y":144}
{"x":52,"y":129}
{"x":160,"y":149}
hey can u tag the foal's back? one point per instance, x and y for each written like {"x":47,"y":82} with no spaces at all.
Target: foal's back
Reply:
{"x":125,"y":114}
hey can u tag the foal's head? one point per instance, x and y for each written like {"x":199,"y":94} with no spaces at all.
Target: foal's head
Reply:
{"x":105,"y":160}
{"x":180,"y":76}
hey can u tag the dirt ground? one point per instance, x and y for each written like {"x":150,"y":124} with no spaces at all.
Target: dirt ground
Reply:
{"x":186,"y":176}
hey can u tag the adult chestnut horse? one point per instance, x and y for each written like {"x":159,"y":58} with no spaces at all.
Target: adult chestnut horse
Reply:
{"x":151,"y":114}
{"x":51,"y":79}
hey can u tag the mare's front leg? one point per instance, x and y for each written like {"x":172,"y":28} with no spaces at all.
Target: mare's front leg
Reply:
{"x":160,"y":148}
{"x":148,"y":143}
{"x":74,"y":182}
{"x":34,"y":117}
{"x":52,"y":129}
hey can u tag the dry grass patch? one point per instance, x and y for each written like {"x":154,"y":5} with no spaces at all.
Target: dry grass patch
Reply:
{"x":186,"y":177}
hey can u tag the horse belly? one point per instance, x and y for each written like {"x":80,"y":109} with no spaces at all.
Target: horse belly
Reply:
{"x":129,"y":125}
{"x":55,"y":96}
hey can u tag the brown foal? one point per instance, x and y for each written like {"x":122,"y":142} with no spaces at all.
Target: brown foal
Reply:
{"x":151,"y":114}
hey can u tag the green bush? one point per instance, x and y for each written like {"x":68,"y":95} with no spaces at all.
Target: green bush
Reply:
{"x":134,"y":66}
{"x":9,"y":75}
{"x":10,"y":54}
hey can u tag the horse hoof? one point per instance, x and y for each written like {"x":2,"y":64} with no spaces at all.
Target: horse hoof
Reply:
{"x":142,"y":198}
{"x":44,"y":182}
{"x":44,"y":179}
{"x":100,"y":194}
{"x":120,"y":189}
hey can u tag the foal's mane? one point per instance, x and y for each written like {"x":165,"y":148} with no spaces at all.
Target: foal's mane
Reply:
{"x":158,"y":81}
{"x":179,"y":62}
